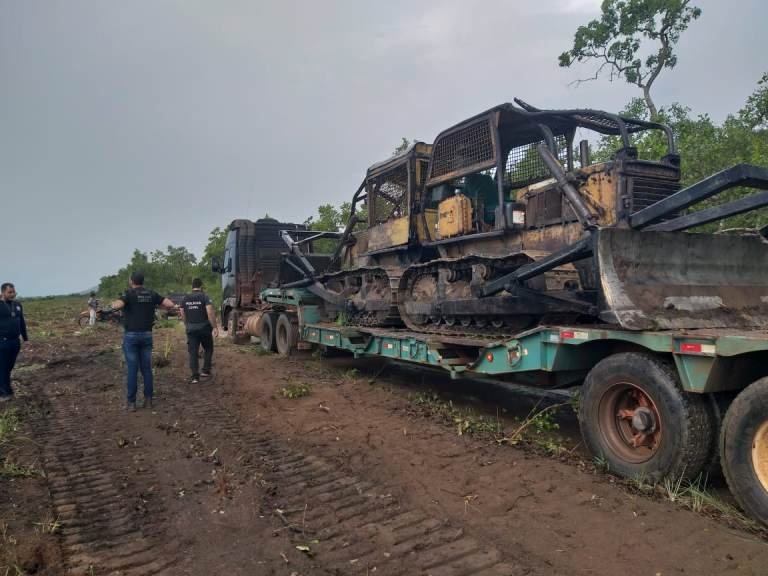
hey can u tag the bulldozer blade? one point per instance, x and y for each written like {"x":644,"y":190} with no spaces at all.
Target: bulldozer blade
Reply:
{"x":678,"y":280}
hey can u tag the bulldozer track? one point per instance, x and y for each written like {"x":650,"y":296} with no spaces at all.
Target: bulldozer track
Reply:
{"x":392,"y":316}
{"x":103,"y":525}
{"x":351,"y":525}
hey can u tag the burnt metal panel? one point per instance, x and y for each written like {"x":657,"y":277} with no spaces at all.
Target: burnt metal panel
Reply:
{"x":467,"y":148}
{"x":258,"y":254}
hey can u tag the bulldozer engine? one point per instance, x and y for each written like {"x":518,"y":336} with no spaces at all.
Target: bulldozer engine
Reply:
{"x":454,"y":216}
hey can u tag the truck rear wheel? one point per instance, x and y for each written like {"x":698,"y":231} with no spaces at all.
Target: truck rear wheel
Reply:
{"x":744,"y":449}
{"x":267,"y":333}
{"x":635,"y":417}
{"x":287,"y":335}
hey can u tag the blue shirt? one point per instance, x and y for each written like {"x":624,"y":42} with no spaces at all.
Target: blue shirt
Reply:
{"x":12,"y":324}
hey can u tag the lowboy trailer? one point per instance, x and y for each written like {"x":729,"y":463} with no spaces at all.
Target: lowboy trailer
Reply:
{"x":653,"y":404}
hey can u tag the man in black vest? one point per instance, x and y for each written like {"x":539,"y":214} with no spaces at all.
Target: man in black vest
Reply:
{"x":138,"y":305}
{"x":200,"y":320}
{"x":12,"y":327}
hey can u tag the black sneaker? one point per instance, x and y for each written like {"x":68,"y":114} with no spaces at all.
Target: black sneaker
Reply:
{"x":147,"y":403}
{"x":193,"y":380}
{"x":205,"y":374}
{"x":130,"y":406}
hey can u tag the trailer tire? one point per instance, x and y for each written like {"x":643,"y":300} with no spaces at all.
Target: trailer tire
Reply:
{"x":718,"y":405}
{"x":286,"y":335}
{"x":267,"y":333}
{"x":635,"y":417}
{"x":744,"y":449}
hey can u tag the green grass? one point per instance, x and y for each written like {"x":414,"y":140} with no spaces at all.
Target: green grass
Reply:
{"x":351,"y":374}
{"x":539,"y":428}
{"x":465,"y":421}
{"x":46,"y":316}
{"x":171,"y":323}
{"x":692,"y":494}
{"x":9,"y":424}
{"x":254,"y":349}
{"x":49,"y":525}
{"x":11,"y":469}
{"x":28,"y":368}
{"x":293,"y":391}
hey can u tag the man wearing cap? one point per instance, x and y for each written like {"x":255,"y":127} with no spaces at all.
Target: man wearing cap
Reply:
{"x":200,"y":320}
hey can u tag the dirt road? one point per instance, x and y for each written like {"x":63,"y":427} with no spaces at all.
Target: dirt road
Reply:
{"x":232,"y":477}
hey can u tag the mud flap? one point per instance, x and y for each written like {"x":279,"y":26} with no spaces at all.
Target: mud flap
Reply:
{"x":677,"y":280}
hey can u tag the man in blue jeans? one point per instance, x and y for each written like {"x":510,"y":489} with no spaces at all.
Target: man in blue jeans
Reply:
{"x":138,"y":305}
{"x":12,"y":327}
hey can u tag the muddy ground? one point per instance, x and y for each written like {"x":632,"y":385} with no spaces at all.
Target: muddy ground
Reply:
{"x":365,"y":474}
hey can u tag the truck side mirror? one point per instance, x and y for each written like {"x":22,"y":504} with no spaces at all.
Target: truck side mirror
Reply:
{"x":216,"y":265}
{"x":229,"y":265}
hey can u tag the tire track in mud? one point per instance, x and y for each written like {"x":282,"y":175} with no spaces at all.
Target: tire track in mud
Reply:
{"x":352,"y":526}
{"x":104,"y":527}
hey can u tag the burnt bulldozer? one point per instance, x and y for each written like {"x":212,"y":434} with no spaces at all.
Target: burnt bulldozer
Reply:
{"x":502,"y":225}
{"x":593,"y":242}
{"x":381,"y":239}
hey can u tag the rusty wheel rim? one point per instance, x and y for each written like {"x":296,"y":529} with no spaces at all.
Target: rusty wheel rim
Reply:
{"x":630,"y":423}
{"x":760,"y":454}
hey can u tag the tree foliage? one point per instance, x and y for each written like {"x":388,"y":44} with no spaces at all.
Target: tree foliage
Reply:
{"x":706,"y":147}
{"x":624,"y":33}
{"x":755,"y":112}
{"x":169,"y":270}
{"x":403,"y":146}
{"x":331,"y":219}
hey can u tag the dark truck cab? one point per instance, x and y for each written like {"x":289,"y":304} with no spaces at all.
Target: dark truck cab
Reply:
{"x":253,"y":260}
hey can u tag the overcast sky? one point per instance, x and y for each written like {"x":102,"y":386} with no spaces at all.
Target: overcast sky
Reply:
{"x":146,"y":123}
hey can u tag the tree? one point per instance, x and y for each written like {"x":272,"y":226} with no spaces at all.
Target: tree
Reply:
{"x":211,"y":280}
{"x":174,"y":267}
{"x":755,"y":113}
{"x":705,"y":148}
{"x":170,"y":270}
{"x":329,"y":218}
{"x":626,"y":29}
{"x":216,"y":241}
{"x":402,"y":147}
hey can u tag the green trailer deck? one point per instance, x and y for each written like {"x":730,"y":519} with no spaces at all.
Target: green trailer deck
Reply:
{"x":707,"y":361}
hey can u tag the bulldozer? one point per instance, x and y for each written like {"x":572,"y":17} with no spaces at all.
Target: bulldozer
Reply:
{"x":504,"y":223}
{"x":381,"y":239}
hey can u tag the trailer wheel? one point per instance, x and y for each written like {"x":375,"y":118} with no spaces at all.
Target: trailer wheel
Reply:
{"x":718,"y":405}
{"x":267,"y":333}
{"x":287,"y":335}
{"x":634,"y":415}
{"x":744,"y":449}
